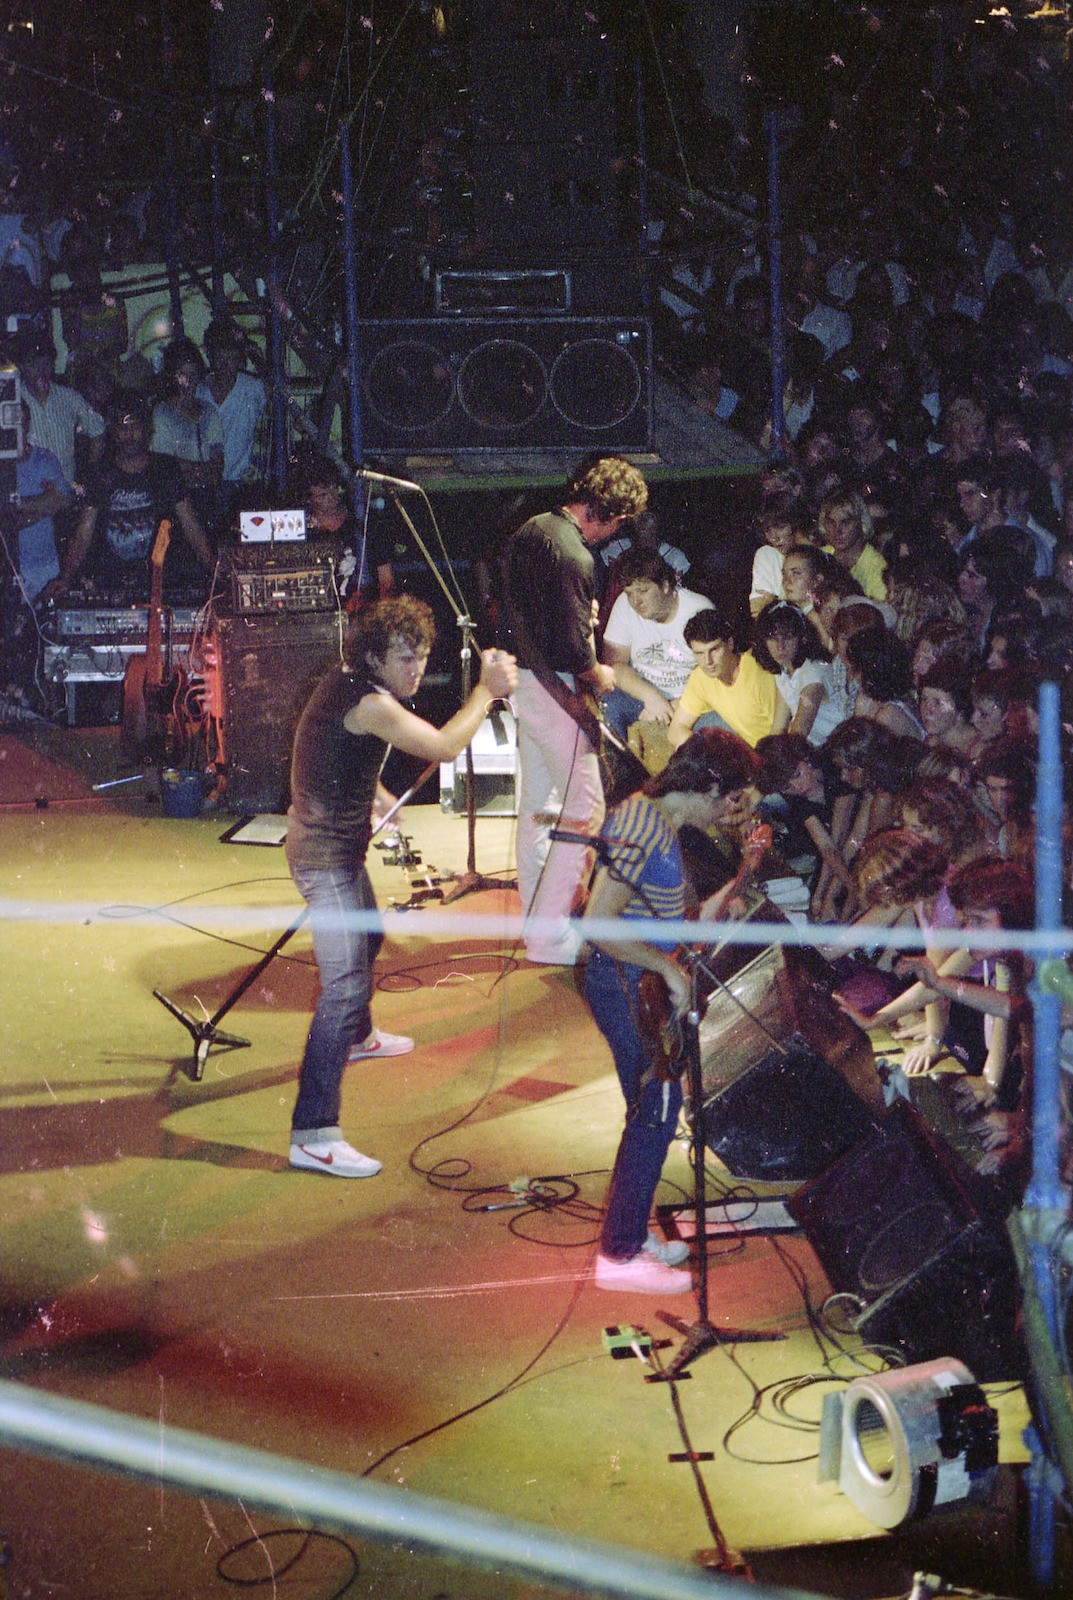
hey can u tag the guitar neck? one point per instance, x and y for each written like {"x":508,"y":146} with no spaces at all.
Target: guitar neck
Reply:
{"x":154,"y":633}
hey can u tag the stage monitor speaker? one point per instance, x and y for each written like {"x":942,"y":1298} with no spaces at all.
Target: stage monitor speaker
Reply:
{"x":789,"y":1082}
{"x":265,"y":669}
{"x":470,"y":383}
{"x":901,"y":1224}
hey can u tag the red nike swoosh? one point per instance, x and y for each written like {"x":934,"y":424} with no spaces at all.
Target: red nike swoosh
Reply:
{"x":325,"y":1161}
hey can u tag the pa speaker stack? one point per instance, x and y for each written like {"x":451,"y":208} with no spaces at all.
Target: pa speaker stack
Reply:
{"x":528,"y":383}
{"x":538,"y":340}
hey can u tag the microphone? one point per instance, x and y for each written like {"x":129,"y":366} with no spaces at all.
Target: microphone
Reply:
{"x":566,"y":836}
{"x":367,"y":475}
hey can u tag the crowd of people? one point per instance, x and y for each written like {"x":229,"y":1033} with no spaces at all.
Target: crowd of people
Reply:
{"x":889,"y":688}
{"x":92,"y":487}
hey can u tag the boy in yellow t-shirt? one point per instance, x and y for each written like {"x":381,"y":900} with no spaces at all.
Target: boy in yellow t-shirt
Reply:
{"x":727,"y":686}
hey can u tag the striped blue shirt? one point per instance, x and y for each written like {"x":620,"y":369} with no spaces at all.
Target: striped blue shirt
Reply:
{"x":645,"y":854}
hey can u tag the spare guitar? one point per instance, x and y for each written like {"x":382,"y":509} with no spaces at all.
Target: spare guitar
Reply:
{"x":657,"y":1023}
{"x":152,"y":726}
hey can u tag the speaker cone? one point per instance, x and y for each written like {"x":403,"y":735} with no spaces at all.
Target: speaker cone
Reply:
{"x":595,"y":383}
{"x":408,"y":385}
{"x":502,"y":384}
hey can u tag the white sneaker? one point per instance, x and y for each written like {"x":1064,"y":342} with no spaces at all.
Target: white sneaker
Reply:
{"x":642,"y":1275}
{"x":383,"y":1044}
{"x":334,"y":1157}
{"x":671,"y":1252}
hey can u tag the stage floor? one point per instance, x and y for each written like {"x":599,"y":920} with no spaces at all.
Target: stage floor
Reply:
{"x":161,"y":1258}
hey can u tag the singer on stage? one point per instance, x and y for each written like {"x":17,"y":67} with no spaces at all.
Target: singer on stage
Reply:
{"x":548,"y":606}
{"x":708,"y":783}
{"x":354,"y":716}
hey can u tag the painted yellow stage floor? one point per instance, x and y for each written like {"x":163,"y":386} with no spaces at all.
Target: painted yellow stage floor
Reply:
{"x":159,"y":1256}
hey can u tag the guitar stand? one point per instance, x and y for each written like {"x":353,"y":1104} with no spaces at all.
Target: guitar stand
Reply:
{"x":702,"y":1335}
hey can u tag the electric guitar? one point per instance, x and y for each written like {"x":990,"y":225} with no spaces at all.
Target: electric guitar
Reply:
{"x":660,"y":1028}
{"x":151,"y":726}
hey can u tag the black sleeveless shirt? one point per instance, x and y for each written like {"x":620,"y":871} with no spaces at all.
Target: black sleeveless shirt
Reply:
{"x":334,"y":775}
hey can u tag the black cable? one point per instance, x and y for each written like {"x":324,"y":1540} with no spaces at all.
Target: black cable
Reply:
{"x":479,"y":1405}
{"x":305,"y":1536}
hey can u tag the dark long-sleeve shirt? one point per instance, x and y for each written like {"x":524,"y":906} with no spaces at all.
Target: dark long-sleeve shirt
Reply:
{"x":548,"y":581}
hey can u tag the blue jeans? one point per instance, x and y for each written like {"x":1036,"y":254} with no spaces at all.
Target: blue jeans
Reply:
{"x":620,"y":710}
{"x":711,"y":719}
{"x":341,"y":1018}
{"x":651,"y":1108}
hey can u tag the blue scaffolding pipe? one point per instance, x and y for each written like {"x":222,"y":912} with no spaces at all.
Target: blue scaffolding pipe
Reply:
{"x":171,"y":193}
{"x":274,"y":305}
{"x":350,"y":1506}
{"x":1044,"y":1191}
{"x":350,"y":283}
{"x":218,"y":300}
{"x":778,"y":331}
{"x":1044,"y":1196}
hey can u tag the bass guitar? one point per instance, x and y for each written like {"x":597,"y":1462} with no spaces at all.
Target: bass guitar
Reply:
{"x":659,"y":1026}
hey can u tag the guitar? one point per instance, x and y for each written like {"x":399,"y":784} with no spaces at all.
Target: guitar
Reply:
{"x":659,"y":1026}
{"x":148,"y":728}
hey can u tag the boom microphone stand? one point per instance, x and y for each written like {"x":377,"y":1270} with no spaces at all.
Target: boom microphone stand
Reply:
{"x":702,"y":1334}
{"x":470,"y":881}
{"x":207,"y":1032}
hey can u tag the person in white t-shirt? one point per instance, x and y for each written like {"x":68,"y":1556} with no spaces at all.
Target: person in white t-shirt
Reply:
{"x":786,"y":643}
{"x":782,"y":527}
{"x":644,"y":644}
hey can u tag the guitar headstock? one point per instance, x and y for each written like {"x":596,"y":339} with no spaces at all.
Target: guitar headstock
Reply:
{"x":160,"y":545}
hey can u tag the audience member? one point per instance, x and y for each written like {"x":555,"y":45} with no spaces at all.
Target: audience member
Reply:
{"x":727,"y":688}
{"x":58,"y":415}
{"x":644,"y":642}
{"x":127,"y":498}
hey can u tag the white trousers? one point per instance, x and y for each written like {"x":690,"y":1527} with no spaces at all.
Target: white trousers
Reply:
{"x":559,"y":778}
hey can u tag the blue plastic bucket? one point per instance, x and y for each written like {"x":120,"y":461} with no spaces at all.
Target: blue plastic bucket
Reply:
{"x":181,"y":792}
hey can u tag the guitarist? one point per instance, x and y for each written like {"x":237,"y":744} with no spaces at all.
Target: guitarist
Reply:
{"x":548,"y":604}
{"x":707,"y":783}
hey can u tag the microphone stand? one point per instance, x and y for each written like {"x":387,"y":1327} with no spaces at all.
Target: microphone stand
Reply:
{"x":470,"y":881}
{"x":702,"y":1334}
{"x":206,"y":1032}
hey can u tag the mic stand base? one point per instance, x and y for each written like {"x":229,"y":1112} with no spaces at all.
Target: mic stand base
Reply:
{"x":205,"y":1035}
{"x":472,"y":883}
{"x":700,"y":1337}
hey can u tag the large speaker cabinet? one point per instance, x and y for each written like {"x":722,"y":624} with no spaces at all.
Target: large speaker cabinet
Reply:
{"x":264,"y":671}
{"x":480,"y":383}
{"x":547,"y":165}
{"x":902,"y":1225}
